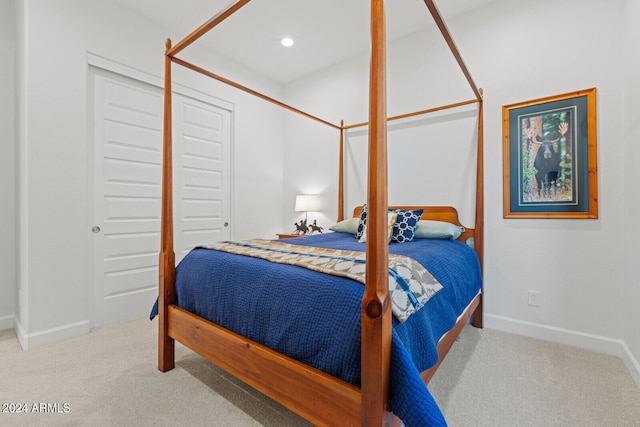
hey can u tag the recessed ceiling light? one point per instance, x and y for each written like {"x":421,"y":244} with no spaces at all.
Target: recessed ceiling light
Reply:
{"x":287,"y":42}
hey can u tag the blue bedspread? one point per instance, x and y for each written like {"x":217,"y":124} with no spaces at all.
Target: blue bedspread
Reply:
{"x":315,"y":318}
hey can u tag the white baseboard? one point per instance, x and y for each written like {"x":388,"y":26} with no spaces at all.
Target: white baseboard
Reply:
{"x":6,"y":322}
{"x":632,"y":364}
{"x":30,"y":340}
{"x":591,"y":342}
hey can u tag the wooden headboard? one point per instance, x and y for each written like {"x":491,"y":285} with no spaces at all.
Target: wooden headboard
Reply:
{"x":435,"y":213}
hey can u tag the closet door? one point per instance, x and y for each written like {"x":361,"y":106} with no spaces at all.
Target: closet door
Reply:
{"x":127,"y":156}
{"x":202,"y":159}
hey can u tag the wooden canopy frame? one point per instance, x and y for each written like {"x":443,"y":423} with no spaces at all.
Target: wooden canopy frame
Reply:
{"x":368,"y":405}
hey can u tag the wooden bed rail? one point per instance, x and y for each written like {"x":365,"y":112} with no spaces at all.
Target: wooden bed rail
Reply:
{"x":417,"y":113}
{"x":281,"y":104}
{"x":250,"y":91}
{"x":344,"y":128}
{"x":452,"y":46}
{"x":207,"y":26}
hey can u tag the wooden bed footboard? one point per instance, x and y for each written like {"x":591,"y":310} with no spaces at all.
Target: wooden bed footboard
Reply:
{"x":309,"y":392}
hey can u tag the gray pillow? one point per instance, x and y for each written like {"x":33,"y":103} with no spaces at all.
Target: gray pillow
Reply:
{"x":429,"y":229}
{"x":349,"y":225}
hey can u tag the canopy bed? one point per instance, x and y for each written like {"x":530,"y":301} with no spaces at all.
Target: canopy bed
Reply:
{"x":255,"y":341}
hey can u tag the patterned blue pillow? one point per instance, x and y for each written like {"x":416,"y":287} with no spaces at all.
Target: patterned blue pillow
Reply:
{"x":405,"y":227}
{"x":363,"y":222}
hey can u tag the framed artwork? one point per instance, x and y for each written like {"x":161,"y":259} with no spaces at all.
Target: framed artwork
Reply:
{"x":549,"y":157}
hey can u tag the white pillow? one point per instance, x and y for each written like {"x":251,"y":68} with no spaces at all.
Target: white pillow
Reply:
{"x":391,"y":220}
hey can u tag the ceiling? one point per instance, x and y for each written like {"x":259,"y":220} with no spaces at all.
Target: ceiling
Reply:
{"x":325,"y":32}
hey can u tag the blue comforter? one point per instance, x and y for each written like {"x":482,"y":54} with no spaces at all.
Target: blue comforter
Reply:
{"x":315,"y":318}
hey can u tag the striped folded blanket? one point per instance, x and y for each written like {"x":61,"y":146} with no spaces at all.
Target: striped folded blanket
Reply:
{"x":410,"y":284}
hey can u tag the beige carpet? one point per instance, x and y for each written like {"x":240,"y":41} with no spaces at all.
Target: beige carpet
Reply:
{"x":490,"y":378}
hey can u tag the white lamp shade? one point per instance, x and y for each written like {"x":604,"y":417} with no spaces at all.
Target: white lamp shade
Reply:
{"x":307,"y":203}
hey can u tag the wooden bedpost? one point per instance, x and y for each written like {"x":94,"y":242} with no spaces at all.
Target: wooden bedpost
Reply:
{"x":166,"y":345}
{"x":341,"y":174}
{"x":376,"y":311}
{"x":479,"y":226}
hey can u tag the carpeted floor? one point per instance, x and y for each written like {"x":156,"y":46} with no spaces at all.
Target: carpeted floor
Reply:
{"x":490,"y":378}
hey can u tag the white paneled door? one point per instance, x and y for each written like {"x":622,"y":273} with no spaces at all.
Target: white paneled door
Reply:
{"x":202,"y":159}
{"x":127,"y":155}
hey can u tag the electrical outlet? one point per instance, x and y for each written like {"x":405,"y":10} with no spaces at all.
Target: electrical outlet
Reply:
{"x":533,"y":298}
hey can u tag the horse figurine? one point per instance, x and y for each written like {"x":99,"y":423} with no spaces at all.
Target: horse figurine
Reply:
{"x":301,"y":228}
{"x":315,"y":227}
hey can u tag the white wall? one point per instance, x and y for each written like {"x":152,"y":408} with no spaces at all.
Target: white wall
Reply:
{"x":312,"y":150}
{"x":631,"y":292}
{"x":55,"y":279}
{"x":341,"y":93}
{"x":516,"y":51}
{"x":588,"y":294}
{"x":7,"y":167}
{"x":567,"y":261}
